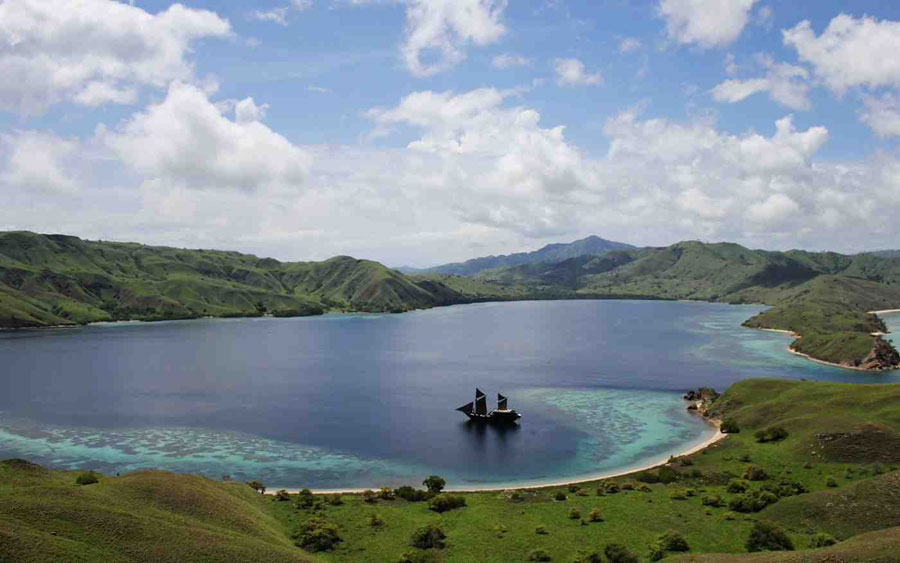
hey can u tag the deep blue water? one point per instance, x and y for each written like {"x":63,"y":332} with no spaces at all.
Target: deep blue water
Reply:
{"x":367,"y":400}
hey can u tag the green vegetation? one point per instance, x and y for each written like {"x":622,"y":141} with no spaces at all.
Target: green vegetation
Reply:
{"x":834,"y":431}
{"x":823,"y":297}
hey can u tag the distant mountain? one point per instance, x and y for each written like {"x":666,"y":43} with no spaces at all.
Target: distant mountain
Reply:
{"x":590,"y":246}
{"x":59,"y":279}
{"x":885,"y":253}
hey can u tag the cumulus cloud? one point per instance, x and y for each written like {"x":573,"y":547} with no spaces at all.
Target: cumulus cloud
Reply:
{"x":279,"y":14}
{"x":706,"y":23}
{"x":437,"y":31}
{"x":94,"y":51}
{"x":882,"y":114}
{"x":507,"y":60}
{"x":850,"y":52}
{"x":786,"y":84}
{"x":572,"y":72}
{"x":187,"y":141}
{"x":39,"y":161}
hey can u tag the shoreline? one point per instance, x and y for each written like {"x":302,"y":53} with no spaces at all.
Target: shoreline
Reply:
{"x":884,"y":311}
{"x":712,"y":440}
{"x":832,"y":364}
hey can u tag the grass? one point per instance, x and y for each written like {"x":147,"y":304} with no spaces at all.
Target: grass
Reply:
{"x":134,"y":516}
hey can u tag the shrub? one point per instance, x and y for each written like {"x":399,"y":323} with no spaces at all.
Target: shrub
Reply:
{"x":540,"y":530}
{"x":574,"y":489}
{"x":628,"y":486}
{"x":667,"y":475}
{"x":744,"y":458}
{"x":785,"y":488}
{"x":656,"y":552}
{"x":831,"y":482}
{"x":618,"y":553}
{"x":434,"y":483}
{"x":595,"y":515}
{"x":807,"y":465}
{"x":685,"y":461}
{"x":712,"y":500}
{"x":281,"y":496}
{"x":822,"y":540}
{"x":335,"y":500}
{"x":445,"y":502}
{"x":644,"y":488}
{"x":515,"y":496}
{"x":305,"y":499}
{"x":538,"y":555}
{"x":768,"y":537}
{"x":729,"y":426}
{"x":574,"y":514}
{"x":369,"y":496}
{"x":410,"y":494}
{"x":257,"y":486}
{"x":376,"y":520}
{"x":673,"y":541}
{"x":499,"y":530}
{"x":428,"y":537}
{"x":587,"y":557}
{"x":755,"y":473}
{"x":560,"y":496}
{"x":677,"y":494}
{"x":738,"y":486}
{"x":752,"y":501}
{"x":430,"y":556}
{"x":773,"y":434}
{"x":386,"y":493}
{"x":87,"y":478}
{"x":728,"y":516}
{"x":647,"y":477}
{"x":318,"y":535}
{"x":607,"y":487}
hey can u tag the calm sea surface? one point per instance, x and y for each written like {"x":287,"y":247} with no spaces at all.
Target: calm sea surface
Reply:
{"x":368,"y":400}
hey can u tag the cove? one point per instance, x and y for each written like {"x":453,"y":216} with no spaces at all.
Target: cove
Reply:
{"x":368,"y":400}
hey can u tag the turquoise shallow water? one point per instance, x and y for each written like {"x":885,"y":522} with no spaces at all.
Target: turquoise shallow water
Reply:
{"x":367,"y":400}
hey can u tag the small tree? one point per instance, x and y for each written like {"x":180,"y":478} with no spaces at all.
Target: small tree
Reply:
{"x":318,"y":535}
{"x":673,"y":541}
{"x":335,"y":500}
{"x":755,"y":473}
{"x":445,"y":502}
{"x":257,"y":486}
{"x":281,"y":495}
{"x":386,"y":493}
{"x":595,"y":515}
{"x":618,"y":553}
{"x":369,"y":496}
{"x":410,"y":494}
{"x":730,"y":426}
{"x":768,"y":537}
{"x":559,"y":496}
{"x":87,"y":478}
{"x":434,"y":483}
{"x":428,"y":537}
{"x":305,"y":499}
{"x":574,"y":513}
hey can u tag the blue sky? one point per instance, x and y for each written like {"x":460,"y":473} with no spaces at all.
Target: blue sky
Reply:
{"x":423,"y":131}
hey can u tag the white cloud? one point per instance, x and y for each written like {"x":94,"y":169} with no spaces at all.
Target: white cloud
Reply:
{"x":786,"y":84}
{"x":186,"y":141}
{"x":882,"y":114}
{"x":628,"y":44}
{"x":707,"y":23}
{"x":850,"y":52}
{"x":93,"y":51}
{"x":572,"y":72}
{"x":38,"y":161}
{"x":507,"y":60}
{"x":318,"y":89}
{"x":279,"y":14}
{"x":439,"y":30}
{"x":776,"y":207}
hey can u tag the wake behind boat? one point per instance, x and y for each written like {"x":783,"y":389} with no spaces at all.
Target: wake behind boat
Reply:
{"x":477,"y":410}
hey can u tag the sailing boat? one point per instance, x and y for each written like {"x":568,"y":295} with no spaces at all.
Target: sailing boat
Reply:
{"x":477,"y":410}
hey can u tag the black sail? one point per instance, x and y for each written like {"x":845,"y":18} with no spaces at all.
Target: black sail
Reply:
{"x":501,"y":402}
{"x":480,"y":402}
{"x":467,"y":408}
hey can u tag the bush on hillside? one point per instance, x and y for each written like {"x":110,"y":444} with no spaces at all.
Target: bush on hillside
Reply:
{"x":87,"y":478}
{"x":647,"y":477}
{"x":434,"y":483}
{"x":318,"y":534}
{"x":785,"y":488}
{"x":768,"y":537}
{"x":560,"y":496}
{"x":305,"y":499}
{"x":257,"y":486}
{"x":595,"y":515}
{"x":574,"y":489}
{"x":752,"y":501}
{"x":618,"y":553}
{"x":667,"y":475}
{"x":369,"y":496}
{"x":376,"y":520}
{"x":431,"y":536}
{"x":821,"y":540}
{"x":712,"y":500}
{"x":445,"y":502}
{"x":673,"y":541}
{"x":430,"y":556}
{"x":410,"y":494}
{"x":386,"y":493}
{"x":540,"y":530}
{"x":738,"y":486}
{"x":335,"y":500}
{"x":281,"y":496}
{"x":587,"y":557}
{"x":773,"y":434}
{"x":538,"y":555}
{"x":755,"y":473}
{"x":831,"y":482}
{"x":574,"y":513}
{"x":729,"y":426}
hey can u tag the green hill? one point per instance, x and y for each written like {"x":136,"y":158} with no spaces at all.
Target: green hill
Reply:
{"x":58,"y":279}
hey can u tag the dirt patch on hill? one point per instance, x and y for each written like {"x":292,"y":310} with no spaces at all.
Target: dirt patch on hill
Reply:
{"x":867,"y":443}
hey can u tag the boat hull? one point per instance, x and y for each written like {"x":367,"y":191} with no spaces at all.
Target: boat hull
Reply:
{"x":495,"y":417}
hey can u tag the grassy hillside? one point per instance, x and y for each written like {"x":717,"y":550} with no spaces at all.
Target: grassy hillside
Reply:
{"x":57,"y":279}
{"x":832,"y":473}
{"x":145,"y":516}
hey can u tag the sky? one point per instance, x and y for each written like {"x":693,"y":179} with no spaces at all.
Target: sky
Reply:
{"x":419,"y":132}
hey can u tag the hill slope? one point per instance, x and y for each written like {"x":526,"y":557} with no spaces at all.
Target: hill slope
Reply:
{"x":58,"y":279}
{"x":590,"y":246}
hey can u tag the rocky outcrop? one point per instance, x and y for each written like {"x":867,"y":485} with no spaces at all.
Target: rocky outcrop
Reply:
{"x":882,"y":357}
{"x":700,"y":399}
